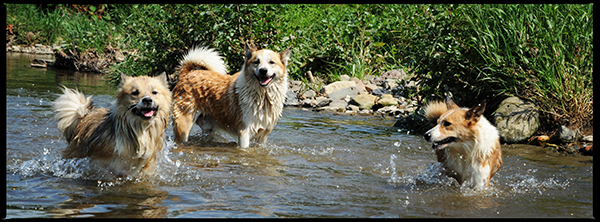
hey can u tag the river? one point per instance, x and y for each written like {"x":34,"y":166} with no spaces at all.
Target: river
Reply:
{"x":314,"y":165}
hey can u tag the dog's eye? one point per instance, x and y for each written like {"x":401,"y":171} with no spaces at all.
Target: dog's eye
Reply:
{"x":446,"y":123}
{"x":154,"y":92}
{"x":257,"y":61}
{"x":135,"y":93}
{"x":271,"y":62}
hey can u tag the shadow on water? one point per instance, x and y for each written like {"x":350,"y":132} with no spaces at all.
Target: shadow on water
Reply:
{"x":313,"y":165}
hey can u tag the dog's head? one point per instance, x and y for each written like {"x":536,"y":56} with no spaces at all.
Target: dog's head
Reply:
{"x":454,"y":125}
{"x":144,"y":97}
{"x":265,"y":65}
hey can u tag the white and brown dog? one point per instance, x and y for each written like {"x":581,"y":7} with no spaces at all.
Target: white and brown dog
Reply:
{"x":465,"y":142}
{"x":246,"y":105}
{"x":125,"y":138}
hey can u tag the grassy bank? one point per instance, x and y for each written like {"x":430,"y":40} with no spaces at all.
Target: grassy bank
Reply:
{"x":540,"y":52}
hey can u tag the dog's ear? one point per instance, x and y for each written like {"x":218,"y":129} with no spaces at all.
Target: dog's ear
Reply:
{"x":285,"y":55}
{"x":162,"y":77}
{"x":450,"y":104}
{"x":124,"y":77}
{"x":250,"y":48}
{"x":474,"y":113}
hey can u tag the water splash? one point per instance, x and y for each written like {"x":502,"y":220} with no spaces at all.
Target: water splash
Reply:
{"x":432,"y":176}
{"x":528,"y":183}
{"x":78,"y":168}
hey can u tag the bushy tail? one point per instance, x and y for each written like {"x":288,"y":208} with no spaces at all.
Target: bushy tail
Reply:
{"x":205,"y":58}
{"x":434,"y":110}
{"x":69,"y":109}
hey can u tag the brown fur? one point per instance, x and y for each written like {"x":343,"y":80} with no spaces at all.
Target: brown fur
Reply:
{"x":466,"y":144}
{"x":235,"y":104}
{"x":122,"y":139}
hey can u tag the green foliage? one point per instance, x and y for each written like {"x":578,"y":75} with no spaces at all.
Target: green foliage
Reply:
{"x":473,"y":52}
{"x":174,"y":29}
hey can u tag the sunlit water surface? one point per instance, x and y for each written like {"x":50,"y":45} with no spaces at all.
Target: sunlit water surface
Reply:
{"x":313,"y":165}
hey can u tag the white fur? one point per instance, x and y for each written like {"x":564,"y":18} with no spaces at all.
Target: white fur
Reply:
{"x":70,"y":107}
{"x":206,"y":57}
{"x":261,"y":106}
{"x":467,"y":157}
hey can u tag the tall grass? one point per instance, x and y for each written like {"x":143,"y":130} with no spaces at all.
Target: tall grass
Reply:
{"x":540,"y":52}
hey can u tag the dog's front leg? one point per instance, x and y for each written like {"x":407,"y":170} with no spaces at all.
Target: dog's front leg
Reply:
{"x":262,"y":135}
{"x":244,"y":138}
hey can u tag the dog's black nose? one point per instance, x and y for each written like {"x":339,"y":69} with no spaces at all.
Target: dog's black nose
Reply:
{"x":427,"y":136}
{"x":147,"y":100}
{"x":262,"y":71}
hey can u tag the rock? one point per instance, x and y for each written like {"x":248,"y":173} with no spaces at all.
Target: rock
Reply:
{"x":359,"y":84}
{"x":336,"y":105}
{"x":516,"y":119}
{"x":290,"y":99}
{"x":308,"y":103}
{"x":390,"y":84}
{"x":379,"y":91}
{"x":345,"y":77}
{"x":342,"y":93}
{"x":309,"y":94}
{"x":589,"y":138}
{"x":354,"y":108}
{"x":369,"y":78}
{"x":387,"y":100}
{"x":321,"y":101}
{"x":564,"y":135}
{"x":364,"y":101}
{"x":389,"y":110}
{"x":398,"y":74}
{"x":328,"y":89}
{"x":365,"y":112}
{"x":370,"y":87}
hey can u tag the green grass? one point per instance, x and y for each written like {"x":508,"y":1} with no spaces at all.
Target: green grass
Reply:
{"x":540,"y":52}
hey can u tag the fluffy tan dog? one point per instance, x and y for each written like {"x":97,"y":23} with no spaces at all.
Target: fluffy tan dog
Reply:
{"x":126,"y":138}
{"x":467,"y":145}
{"x":246,"y":105}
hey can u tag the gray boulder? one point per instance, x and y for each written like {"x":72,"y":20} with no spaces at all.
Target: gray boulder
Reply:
{"x":328,"y":89}
{"x":564,"y":135}
{"x":516,"y":119}
{"x":342,"y":93}
{"x":290,"y":99}
{"x":364,"y":101}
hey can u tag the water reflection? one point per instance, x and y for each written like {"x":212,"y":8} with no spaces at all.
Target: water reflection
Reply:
{"x":19,"y":75}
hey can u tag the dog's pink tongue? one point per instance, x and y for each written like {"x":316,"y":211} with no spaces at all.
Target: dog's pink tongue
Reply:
{"x":265,"y":81}
{"x":149,"y":113}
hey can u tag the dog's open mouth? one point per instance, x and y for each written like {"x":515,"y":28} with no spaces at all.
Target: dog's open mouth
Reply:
{"x":146,"y":112}
{"x":440,"y":144}
{"x":265,"y":80}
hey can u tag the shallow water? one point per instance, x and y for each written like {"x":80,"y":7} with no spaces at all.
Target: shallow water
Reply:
{"x":313,"y":165}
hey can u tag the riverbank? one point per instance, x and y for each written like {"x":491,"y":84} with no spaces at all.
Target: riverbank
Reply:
{"x":390,"y":95}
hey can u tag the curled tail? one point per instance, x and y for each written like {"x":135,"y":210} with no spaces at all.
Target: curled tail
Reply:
{"x":203,"y":58}
{"x":69,"y":109}
{"x":434,"y":110}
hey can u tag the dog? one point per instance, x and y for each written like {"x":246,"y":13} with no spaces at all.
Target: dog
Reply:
{"x":125,"y":138}
{"x":245,"y":105}
{"x":465,"y":142}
